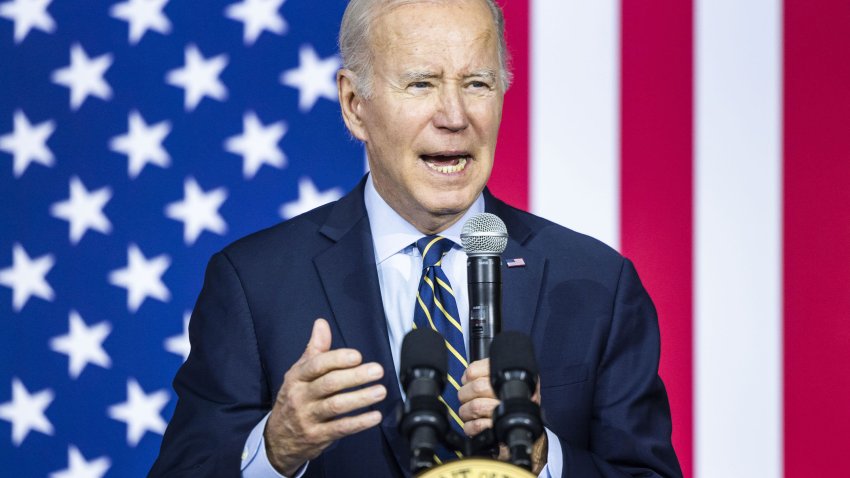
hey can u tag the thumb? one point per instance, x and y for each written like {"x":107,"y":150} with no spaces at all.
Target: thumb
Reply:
{"x":320,"y":339}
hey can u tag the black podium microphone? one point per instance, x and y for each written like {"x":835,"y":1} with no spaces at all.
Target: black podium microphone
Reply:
{"x":513,"y":374}
{"x":484,"y":238}
{"x":423,"y":422}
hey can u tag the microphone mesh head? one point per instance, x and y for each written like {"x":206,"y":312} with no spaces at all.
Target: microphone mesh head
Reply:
{"x":484,"y":234}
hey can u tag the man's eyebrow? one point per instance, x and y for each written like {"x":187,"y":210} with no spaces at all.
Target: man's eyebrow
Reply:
{"x":421,"y":75}
{"x":418,"y":75}
{"x":487,"y":74}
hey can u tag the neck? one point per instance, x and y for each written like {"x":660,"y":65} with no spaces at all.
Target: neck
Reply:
{"x":435,"y":225}
{"x":426,"y":222}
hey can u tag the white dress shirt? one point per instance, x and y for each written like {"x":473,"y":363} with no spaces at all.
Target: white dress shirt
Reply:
{"x":399,"y":266}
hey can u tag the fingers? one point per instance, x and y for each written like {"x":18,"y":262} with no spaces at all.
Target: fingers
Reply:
{"x":477,"y":398}
{"x":478,"y":388}
{"x":476,"y":370}
{"x":478,"y":408}
{"x":338,"y":380}
{"x":343,"y":403}
{"x":475,"y":427}
{"x":309,"y":369}
{"x":350,"y":425}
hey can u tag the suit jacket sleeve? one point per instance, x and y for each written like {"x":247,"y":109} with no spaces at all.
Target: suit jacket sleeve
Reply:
{"x":222,"y":389}
{"x":630,"y":425}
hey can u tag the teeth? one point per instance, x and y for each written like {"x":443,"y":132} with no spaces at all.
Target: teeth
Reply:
{"x":448,"y":169}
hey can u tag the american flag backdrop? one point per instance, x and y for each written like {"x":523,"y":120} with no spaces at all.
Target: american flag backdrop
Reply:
{"x":708,"y":140}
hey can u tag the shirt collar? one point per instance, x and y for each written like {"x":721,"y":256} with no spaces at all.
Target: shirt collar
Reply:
{"x":392,"y":234}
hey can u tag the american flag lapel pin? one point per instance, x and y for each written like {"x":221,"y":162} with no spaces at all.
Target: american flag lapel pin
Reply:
{"x":518,"y":262}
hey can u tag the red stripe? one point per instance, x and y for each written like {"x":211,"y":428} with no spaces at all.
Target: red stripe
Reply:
{"x":817,"y":237}
{"x":510,"y":178}
{"x":656,"y":184}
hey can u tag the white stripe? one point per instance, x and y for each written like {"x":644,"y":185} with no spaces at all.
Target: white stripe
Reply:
{"x":738,"y":239}
{"x":575,"y":115}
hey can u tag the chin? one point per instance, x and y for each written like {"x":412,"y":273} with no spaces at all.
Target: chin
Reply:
{"x":452,"y":207}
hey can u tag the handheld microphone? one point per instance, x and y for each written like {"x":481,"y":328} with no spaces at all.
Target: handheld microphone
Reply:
{"x":484,"y":238}
{"x":513,"y":375}
{"x":423,"y":422}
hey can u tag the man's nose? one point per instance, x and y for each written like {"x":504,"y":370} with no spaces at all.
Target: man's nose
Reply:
{"x":451,"y":114}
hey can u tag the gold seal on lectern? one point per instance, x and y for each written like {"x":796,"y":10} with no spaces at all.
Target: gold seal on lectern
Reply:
{"x":476,"y":468}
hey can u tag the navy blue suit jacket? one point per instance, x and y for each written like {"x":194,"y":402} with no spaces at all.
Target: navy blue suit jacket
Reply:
{"x":593,"y":325}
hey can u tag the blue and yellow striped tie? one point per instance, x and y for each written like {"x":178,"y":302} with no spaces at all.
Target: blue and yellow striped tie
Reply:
{"x":436,"y":309}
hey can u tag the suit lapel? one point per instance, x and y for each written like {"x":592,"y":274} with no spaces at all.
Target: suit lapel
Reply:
{"x":521,"y":286}
{"x":350,"y":280}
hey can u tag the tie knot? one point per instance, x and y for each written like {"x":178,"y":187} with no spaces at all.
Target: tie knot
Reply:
{"x":433,"y":248}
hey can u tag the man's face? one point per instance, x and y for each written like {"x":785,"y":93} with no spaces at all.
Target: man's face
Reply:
{"x":431,"y":124}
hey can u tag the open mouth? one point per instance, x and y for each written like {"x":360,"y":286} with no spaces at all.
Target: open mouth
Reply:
{"x":446,"y":163}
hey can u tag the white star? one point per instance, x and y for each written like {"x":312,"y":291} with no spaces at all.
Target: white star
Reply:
{"x":257,"y":144}
{"x":199,"y":77}
{"x":142,"y":278}
{"x":314,"y":77}
{"x":82,"y":344}
{"x":26,"y":412}
{"x":141,"y":412}
{"x":84,"y":76}
{"x":27,"y":143}
{"x":142,"y":15}
{"x":257,"y":15}
{"x":78,"y":467}
{"x":83,"y":210}
{"x":142,"y":144}
{"x":179,"y":344}
{"x":27,"y":277}
{"x":198,"y":211}
{"x":28,"y":14}
{"x":308,"y":198}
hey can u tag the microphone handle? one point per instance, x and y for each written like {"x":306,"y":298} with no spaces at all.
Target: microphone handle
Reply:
{"x":484,"y":276}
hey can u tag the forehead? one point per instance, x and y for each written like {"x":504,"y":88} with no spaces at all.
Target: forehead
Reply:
{"x":433,"y":30}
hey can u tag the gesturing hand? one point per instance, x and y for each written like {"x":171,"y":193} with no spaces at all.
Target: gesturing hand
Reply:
{"x":305,"y":416}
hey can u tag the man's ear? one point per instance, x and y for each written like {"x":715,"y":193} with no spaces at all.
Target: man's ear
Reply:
{"x":351,"y":103}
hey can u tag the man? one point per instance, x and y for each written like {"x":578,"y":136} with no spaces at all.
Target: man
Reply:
{"x":422,"y":87}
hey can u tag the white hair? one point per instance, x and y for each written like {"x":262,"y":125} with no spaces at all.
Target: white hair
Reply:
{"x":355,"y":48}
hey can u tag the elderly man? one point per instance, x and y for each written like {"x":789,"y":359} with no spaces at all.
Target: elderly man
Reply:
{"x":422,"y":87}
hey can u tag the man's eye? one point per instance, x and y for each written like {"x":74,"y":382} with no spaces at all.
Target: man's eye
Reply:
{"x":478,"y":85}
{"x":420,"y":84}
